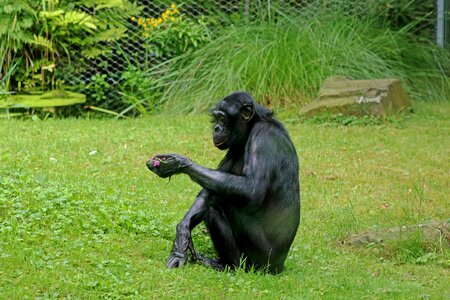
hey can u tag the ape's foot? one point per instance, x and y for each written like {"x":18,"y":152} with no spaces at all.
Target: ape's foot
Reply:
{"x":214,"y":263}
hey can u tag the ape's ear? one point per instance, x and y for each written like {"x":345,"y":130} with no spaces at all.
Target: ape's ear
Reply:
{"x":247,"y":112}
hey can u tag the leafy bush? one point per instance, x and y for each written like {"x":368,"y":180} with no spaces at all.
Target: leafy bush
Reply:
{"x":173,"y":33}
{"x":41,"y":37}
{"x":98,"y":87}
{"x":139,"y":91}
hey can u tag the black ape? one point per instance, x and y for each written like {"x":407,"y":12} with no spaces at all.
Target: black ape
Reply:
{"x":251,"y":204}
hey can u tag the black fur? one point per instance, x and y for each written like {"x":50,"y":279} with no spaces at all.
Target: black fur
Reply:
{"x":251,"y":203}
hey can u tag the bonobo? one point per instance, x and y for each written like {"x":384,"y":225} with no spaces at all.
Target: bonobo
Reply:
{"x":251,"y":203}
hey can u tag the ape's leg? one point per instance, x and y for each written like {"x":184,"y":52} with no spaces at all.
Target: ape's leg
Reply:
{"x":183,"y":240}
{"x":219,"y":229}
{"x":223,"y":239}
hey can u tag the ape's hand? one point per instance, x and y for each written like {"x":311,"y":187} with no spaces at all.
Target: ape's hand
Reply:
{"x":166,"y":165}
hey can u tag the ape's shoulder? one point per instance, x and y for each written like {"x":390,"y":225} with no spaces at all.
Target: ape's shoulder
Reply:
{"x":271,"y":138}
{"x":268,"y":128}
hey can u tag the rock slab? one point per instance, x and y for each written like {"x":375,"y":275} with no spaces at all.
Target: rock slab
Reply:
{"x":433,"y":232}
{"x":378,"y":97}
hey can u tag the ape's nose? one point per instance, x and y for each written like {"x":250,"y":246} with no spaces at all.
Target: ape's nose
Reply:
{"x":217,"y":128}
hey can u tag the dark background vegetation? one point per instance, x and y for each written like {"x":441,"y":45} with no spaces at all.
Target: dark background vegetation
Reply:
{"x":280,"y":51}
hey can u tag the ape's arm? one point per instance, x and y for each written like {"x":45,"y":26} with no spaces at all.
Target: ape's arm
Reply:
{"x":250,"y":186}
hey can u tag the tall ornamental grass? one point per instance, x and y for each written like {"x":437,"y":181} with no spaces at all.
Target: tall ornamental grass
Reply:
{"x":284,"y":62}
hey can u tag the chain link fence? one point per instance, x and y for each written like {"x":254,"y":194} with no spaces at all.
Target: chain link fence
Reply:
{"x":100,"y":74}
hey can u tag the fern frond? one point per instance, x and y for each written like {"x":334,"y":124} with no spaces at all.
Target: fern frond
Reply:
{"x":43,"y":42}
{"x":95,"y":52}
{"x":80,"y":18}
{"x":109,"y":35}
{"x":51,"y":14}
{"x":111,"y":4}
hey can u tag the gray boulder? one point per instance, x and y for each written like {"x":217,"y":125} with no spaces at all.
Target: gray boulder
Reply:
{"x":433,"y":232}
{"x":359,"y":97}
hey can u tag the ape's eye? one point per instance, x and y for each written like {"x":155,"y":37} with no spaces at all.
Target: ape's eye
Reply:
{"x":218,"y":116}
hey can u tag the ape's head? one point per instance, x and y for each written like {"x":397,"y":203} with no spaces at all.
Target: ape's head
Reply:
{"x":231,"y":119}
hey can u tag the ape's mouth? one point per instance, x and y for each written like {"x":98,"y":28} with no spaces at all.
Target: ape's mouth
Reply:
{"x":220,"y":143}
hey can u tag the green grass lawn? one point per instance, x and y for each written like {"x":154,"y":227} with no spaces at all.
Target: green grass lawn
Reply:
{"x":82,"y":217}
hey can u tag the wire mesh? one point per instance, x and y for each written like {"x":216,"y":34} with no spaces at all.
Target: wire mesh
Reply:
{"x":99,"y":76}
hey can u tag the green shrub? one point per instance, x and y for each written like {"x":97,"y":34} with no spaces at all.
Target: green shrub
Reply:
{"x":98,"y":87}
{"x":172,"y":33}
{"x":41,"y":37}
{"x":139,"y":91}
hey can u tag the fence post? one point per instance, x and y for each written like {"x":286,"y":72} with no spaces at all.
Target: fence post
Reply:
{"x":442,"y":23}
